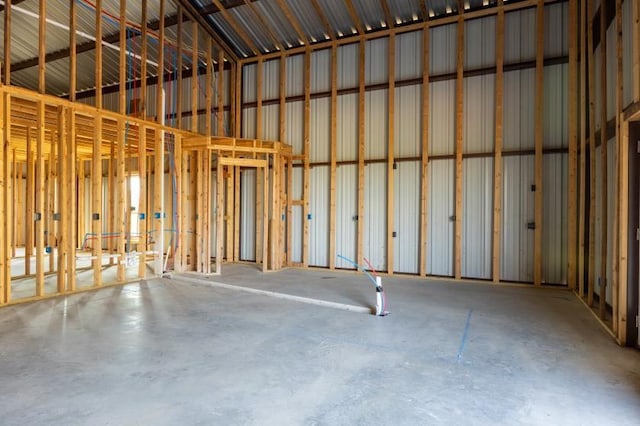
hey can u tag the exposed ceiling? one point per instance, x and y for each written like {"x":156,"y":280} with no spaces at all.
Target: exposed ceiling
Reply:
{"x":255,"y":27}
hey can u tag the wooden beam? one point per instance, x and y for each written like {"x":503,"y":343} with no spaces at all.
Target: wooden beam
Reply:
{"x":424,"y":13}
{"x":73,"y":56}
{"x":123,"y":61}
{"x":323,"y":18}
{"x":236,"y":100}
{"x":592,"y":155}
{"x":221,"y":129}
{"x":623,"y":232}
{"x":424,"y":156}
{"x":180,"y":66}
{"x":96,"y":201}
{"x":70,"y":200}
{"x":40,"y":206}
{"x":333,"y":154}
{"x":307,"y":153}
{"x":259,"y":79}
{"x":291,"y":18}
{"x":208,"y":100}
{"x":220,"y":216}
{"x":236,"y":214}
{"x":497,"y":159}
{"x":616,"y":216}
{"x":98,"y":43}
{"x":263,"y":22}
{"x":539,"y":127}
{"x":160,"y":105}
{"x":604,"y":166}
{"x":179,"y":256}
{"x":208,"y":199}
{"x":122,"y":210}
{"x":572,"y":211}
{"x":7,"y":43}
{"x":184,"y":207}
{"x":50,"y":234}
{"x":158,"y":201}
{"x":391,"y":104}
{"x":354,"y":16}
{"x":387,"y":13}
{"x":459,"y":147}
{"x":42,"y":45}
{"x":143,"y":66}
{"x":194,"y":79}
{"x":229,"y":211}
{"x":82,"y":227}
{"x":583,"y":151}
{"x":236,"y":27}
{"x":282,"y":111}
{"x":361,"y":150}
{"x":4,"y":194}
{"x":111,"y":200}
{"x":63,"y":200}
{"x":143,"y":213}
{"x":265,"y":217}
{"x":30,"y":202}
{"x":200,"y":218}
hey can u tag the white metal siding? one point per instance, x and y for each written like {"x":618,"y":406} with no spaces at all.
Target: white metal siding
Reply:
{"x":442,"y":118}
{"x":376,"y":61}
{"x":554,"y":220}
{"x":407,"y":217}
{"x":348,"y":66}
{"x":441,"y":209}
{"x":321,"y":71}
{"x":320,"y":130}
{"x":477,"y":220}
{"x":375,"y":215}
{"x":248,"y":214}
{"x":520,"y":36}
{"x":409,"y":55}
{"x":519,"y":95}
{"x":376,"y":124}
{"x":408,"y":121}
{"x":555,"y":130}
{"x":479,"y":114}
{"x":319,"y":211}
{"x":347,"y":128}
{"x":346,"y":213}
{"x":480,"y":43}
{"x":442,"y":50}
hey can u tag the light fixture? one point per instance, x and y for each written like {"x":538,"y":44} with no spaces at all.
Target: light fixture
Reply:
{"x":431,"y":13}
{"x":414,"y":16}
{"x":398,"y":20}
{"x":340,"y":34}
{"x":383,"y":24}
{"x":367,"y":27}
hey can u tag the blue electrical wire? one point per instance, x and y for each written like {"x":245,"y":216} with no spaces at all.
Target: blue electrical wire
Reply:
{"x":360,"y":267}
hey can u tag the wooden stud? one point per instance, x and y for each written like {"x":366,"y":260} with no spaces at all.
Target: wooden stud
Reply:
{"x":40,"y":195}
{"x":497,"y":159}
{"x":333,"y":154}
{"x":42,"y":46}
{"x":73,"y":61}
{"x":207,"y":212}
{"x":194,"y":188}
{"x":221,"y":130}
{"x":236,"y":215}
{"x":623,"y":232}
{"x":265,"y":217}
{"x":160,"y":101}
{"x":98,"y":53}
{"x":111,"y":200}
{"x":181,"y":236}
{"x":70,"y":200}
{"x":604,"y":166}
{"x":229,"y":211}
{"x":264,"y":24}
{"x":30,"y":201}
{"x":15,"y":191}
{"x":122,"y":210}
{"x":220,"y":215}
{"x":592,"y":155}
{"x":8,"y":198}
{"x":260,"y":206}
{"x":236,"y":27}
{"x":307,"y":152}
{"x":291,"y":18}
{"x":7,"y":46}
{"x":583,"y":152}
{"x":459,"y":147}
{"x":391,"y":96}
{"x":143,"y":77}
{"x":572,"y":212}
{"x":354,"y":16}
{"x":184,"y":207}
{"x":200,"y":217}
{"x":63,"y":200}
{"x":3,"y":196}
{"x":259,"y":89}
{"x":635,"y":28}
{"x":50,"y":234}
{"x":179,"y":66}
{"x":424,"y":156}
{"x":143,"y":213}
{"x":208,"y":91}
{"x":82,"y":227}
{"x":96,"y":201}
{"x":361,"y":151}
{"x":158,"y":201}
{"x":538,"y":120}
{"x":236,"y":100}
{"x":289,"y":211}
{"x":323,"y":18}
{"x":194,"y":78}
{"x":619,"y":120}
{"x":387,"y":14}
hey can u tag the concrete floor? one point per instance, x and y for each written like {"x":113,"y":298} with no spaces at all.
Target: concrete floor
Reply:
{"x":174,"y":352}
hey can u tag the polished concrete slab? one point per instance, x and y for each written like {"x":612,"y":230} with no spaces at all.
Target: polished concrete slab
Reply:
{"x":175,"y":352}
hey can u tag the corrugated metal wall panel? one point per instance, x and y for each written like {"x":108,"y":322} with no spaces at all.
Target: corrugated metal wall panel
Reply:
{"x":376,"y":127}
{"x":347,"y":128}
{"x":519,"y":95}
{"x":520,"y":36}
{"x":271,"y":79}
{"x":554,"y":219}
{"x":555,"y":133}
{"x":479,"y":114}
{"x":321,"y":71}
{"x":248,"y":123}
{"x":295,"y":75}
{"x":346,"y":211}
{"x":375,"y":215}
{"x":598,"y":98}
{"x":320,"y":130}
{"x":408,"y":121}
{"x":249,"y":83}
{"x":598,"y":218}
{"x":478,"y":217}
{"x":271,"y":122}
{"x":441,"y":209}
{"x":376,"y":61}
{"x":442,"y":50}
{"x":556,"y":34}
{"x":297,"y":234}
{"x":348,"y":66}
{"x":294,"y":134}
{"x":612,"y":195}
{"x":248,"y":214}
{"x":517,"y":210}
{"x":627,"y":55}
{"x":409,"y":55}
{"x":442,"y":116}
{"x":480,"y":43}
{"x":612,"y":63}
{"x":407,"y":217}
{"x":213,"y":212}
{"x":319,"y":222}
